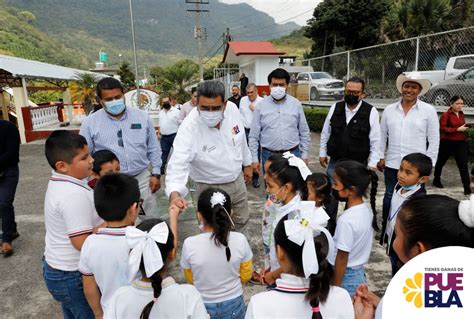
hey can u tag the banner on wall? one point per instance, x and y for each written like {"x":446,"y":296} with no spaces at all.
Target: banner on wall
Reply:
{"x":150,"y":101}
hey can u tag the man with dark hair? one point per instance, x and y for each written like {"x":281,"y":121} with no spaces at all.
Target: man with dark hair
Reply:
{"x":278,"y":123}
{"x":351,"y":130}
{"x":187,"y":107}
{"x":129,"y":133}
{"x":9,"y":176}
{"x":235,"y":98}
{"x":211,"y":147}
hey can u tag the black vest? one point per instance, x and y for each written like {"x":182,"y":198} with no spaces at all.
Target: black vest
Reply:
{"x":350,"y":141}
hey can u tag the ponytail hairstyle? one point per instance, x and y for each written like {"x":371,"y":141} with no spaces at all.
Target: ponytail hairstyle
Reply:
{"x":320,"y":283}
{"x":436,"y":221}
{"x":215,"y":206}
{"x":156,"y":279}
{"x":282,"y":172}
{"x":321,"y":186}
{"x":354,"y":175}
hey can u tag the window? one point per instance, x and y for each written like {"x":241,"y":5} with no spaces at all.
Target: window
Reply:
{"x":303,"y":77}
{"x":464,"y":63}
{"x":320,"y":75}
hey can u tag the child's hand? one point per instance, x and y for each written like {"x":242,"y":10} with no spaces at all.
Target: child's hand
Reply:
{"x":267,"y":276}
{"x":174,"y":211}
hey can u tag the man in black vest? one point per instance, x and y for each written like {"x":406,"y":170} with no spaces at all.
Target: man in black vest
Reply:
{"x":351,"y":130}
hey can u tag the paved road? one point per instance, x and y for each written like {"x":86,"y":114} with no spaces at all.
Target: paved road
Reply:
{"x":22,"y":290}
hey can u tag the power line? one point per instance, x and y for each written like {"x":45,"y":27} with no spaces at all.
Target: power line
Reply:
{"x":198,"y":34}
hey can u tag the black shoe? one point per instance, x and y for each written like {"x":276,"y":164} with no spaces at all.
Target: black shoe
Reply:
{"x":256,"y":184}
{"x":437,"y":183}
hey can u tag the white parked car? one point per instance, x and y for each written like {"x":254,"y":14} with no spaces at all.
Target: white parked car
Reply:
{"x":322,"y":85}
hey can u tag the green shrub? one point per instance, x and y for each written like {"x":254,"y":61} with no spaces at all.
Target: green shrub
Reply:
{"x":315,"y":118}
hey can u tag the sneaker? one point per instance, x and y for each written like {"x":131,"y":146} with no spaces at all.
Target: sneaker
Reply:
{"x":256,"y":184}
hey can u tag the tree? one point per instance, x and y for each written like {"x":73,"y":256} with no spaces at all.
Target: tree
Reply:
{"x":27,"y":16}
{"x":176,"y":77}
{"x":83,"y":90}
{"x":126,"y":75}
{"x":351,"y":24}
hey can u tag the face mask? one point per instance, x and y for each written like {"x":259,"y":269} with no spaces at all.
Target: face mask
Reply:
{"x":278,"y":92}
{"x":351,"y":99}
{"x":335,"y":193}
{"x":166,"y":106}
{"x":201,"y":227}
{"x":410,"y":188}
{"x":115,"y":107}
{"x":211,"y":119}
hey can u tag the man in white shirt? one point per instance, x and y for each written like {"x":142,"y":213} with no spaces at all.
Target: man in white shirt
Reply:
{"x":407,"y":126}
{"x":211,"y":148}
{"x":167,"y":127}
{"x":351,"y":130}
{"x":187,"y":107}
{"x":248,"y":104}
{"x":174,"y":103}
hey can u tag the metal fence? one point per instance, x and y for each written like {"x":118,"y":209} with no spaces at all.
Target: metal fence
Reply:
{"x":446,"y":58}
{"x":228,"y":76}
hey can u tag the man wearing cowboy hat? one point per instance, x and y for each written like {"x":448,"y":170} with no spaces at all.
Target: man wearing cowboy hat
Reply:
{"x":407,"y":126}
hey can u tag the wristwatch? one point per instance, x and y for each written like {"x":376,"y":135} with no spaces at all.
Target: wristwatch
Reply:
{"x":156,"y":175}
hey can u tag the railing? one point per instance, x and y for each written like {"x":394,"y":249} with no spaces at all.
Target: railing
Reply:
{"x":42,"y":116}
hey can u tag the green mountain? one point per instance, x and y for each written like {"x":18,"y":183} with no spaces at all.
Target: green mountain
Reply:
{"x":163,"y":28}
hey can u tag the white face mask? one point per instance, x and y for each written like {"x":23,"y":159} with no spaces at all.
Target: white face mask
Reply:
{"x":211,"y":119}
{"x":278,"y":92}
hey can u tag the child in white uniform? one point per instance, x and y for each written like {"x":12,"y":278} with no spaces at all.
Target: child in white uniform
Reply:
{"x":354,"y":232}
{"x":284,"y":180}
{"x":155,"y":294}
{"x":304,"y":289}
{"x":219,"y":260}
{"x":117,"y":201}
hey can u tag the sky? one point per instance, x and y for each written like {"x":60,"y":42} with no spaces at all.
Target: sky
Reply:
{"x":283,"y":9}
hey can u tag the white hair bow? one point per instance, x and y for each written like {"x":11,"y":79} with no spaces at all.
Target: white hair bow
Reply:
{"x":466,"y":211}
{"x":302,"y":230}
{"x":219,"y":198}
{"x":144,"y":244}
{"x":299,"y":163}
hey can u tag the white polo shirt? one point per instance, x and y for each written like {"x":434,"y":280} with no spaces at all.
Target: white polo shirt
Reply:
{"x":246,"y":112}
{"x":175,"y":301}
{"x":208,"y":155}
{"x":168,"y":121}
{"x":287,"y":300}
{"x":214,"y":277}
{"x":104,"y":255}
{"x":68,"y":211}
{"x":410,"y":133}
{"x":354,"y":234}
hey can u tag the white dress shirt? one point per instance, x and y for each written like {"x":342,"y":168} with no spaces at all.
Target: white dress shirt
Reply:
{"x":208,"y":155}
{"x":169,"y":121}
{"x":246,"y":112}
{"x":410,"y":133}
{"x":374,"y":134}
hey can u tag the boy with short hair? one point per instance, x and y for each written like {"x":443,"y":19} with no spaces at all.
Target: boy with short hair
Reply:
{"x":105,"y":162}
{"x":414,"y":172}
{"x":104,"y":256}
{"x":70,"y":218}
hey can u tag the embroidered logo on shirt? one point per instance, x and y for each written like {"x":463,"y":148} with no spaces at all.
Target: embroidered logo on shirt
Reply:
{"x":209,"y":149}
{"x":235,"y":130}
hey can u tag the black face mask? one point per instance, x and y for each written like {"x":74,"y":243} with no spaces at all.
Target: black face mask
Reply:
{"x":166,"y":106}
{"x":351,"y":99}
{"x":335,"y":194}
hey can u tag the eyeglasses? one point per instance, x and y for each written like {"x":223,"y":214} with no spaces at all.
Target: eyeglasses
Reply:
{"x":140,"y":204}
{"x":355,"y":93}
{"x":120,"y":139}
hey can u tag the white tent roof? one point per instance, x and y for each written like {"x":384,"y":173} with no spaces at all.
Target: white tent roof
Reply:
{"x":39,"y":70}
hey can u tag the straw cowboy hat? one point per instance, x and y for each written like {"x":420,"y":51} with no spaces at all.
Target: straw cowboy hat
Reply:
{"x":413,"y":77}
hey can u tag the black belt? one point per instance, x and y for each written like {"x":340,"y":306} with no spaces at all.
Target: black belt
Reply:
{"x":282,"y":151}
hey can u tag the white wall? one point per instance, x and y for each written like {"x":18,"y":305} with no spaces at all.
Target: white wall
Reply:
{"x":263,"y":66}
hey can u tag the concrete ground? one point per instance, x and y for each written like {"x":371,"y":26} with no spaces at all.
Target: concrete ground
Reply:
{"x":22,"y":290}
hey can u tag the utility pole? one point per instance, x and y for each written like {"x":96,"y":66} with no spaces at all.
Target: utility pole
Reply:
{"x":198,"y":30}
{"x":137,"y":83}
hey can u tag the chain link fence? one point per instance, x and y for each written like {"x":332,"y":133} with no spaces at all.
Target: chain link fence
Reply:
{"x":446,"y":58}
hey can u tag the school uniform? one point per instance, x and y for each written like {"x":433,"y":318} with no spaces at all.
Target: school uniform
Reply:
{"x":287,"y":301}
{"x":69,"y":211}
{"x":354,"y":235}
{"x":104,"y":255}
{"x":212,"y":157}
{"x":176,"y":301}
{"x":219,"y":281}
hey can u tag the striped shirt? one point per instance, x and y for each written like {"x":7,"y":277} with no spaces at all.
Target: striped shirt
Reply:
{"x":132,"y":138}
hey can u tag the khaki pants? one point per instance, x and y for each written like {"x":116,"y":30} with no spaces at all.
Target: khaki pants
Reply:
{"x":238,"y":194}
{"x":150,"y":205}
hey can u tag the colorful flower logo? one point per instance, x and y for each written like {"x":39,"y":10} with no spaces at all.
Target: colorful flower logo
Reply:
{"x":413,"y":291}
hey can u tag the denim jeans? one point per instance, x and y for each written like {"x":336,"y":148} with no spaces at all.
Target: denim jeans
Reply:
{"x":229,"y":309}
{"x":166,"y":143}
{"x":330,"y":170}
{"x":390,"y":175}
{"x":66,"y":287}
{"x":8,"y":184}
{"x":266,"y":155}
{"x":353,"y":277}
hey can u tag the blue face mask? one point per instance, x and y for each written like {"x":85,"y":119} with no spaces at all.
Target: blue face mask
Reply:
{"x":410,"y":188}
{"x":115,"y":107}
